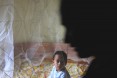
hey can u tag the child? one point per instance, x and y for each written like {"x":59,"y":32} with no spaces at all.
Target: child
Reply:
{"x":59,"y":61}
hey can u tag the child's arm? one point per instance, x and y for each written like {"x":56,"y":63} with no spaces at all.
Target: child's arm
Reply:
{"x":64,"y":76}
{"x":51,"y":73}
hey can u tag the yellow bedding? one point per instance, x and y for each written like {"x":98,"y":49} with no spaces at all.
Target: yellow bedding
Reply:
{"x":42,"y":71}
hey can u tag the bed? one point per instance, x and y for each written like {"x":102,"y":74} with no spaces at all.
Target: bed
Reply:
{"x":40,"y":65}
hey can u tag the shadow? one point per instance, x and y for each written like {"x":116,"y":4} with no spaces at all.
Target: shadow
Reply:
{"x":91,"y":29}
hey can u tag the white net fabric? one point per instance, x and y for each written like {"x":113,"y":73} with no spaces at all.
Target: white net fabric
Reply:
{"x":36,"y":25}
{"x":37,"y":21}
{"x":6,"y":38}
{"x":33,"y":57}
{"x":30,"y":31}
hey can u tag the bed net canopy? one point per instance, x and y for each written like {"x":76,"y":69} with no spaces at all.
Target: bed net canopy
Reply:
{"x":30,"y":32}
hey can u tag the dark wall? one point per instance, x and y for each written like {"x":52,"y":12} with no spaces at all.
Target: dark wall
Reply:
{"x":91,"y":26}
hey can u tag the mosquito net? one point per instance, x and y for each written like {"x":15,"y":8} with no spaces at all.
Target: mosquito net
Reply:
{"x":30,"y":31}
{"x":6,"y":38}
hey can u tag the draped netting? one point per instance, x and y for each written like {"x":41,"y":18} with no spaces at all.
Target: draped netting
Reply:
{"x":6,"y":38}
{"x":30,"y":31}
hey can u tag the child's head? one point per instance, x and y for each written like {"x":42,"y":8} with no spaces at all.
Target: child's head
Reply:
{"x":59,"y":60}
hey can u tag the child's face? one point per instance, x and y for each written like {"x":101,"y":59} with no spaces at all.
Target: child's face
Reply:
{"x":59,"y":62}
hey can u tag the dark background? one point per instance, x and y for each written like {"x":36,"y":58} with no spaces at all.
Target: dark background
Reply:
{"x":92,"y":29}
{"x":90,"y":25}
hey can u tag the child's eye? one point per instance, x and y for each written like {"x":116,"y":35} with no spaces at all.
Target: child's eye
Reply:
{"x":58,"y":61}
